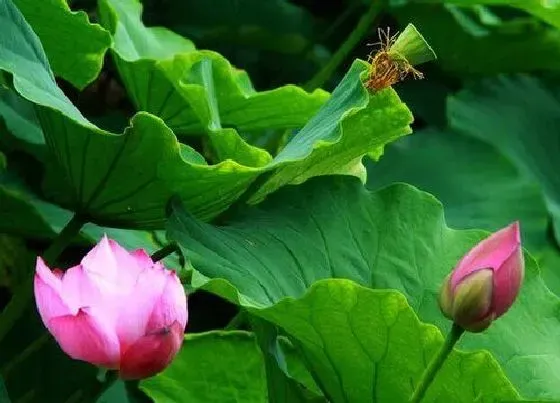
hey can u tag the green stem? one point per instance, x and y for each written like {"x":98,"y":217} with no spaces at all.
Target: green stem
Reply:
{"x":437,"y":361}
{"x":321,"y":38}
{"x":165,"y":251}
{"x":64,"y":238}
{"x":24,"y":292}
{"x":343,"y":51}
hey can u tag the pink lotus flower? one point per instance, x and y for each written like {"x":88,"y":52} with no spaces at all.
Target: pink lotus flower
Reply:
{"x":116,"y":310}
{"x":486,"y":281}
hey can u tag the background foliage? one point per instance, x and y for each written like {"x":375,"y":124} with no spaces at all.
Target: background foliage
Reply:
{"x":314,"y":229}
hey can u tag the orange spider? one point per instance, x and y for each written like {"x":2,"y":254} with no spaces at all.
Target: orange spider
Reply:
{"x":387,"y":68}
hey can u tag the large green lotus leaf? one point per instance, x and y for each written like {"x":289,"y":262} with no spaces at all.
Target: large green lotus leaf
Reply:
{"x":548,"y":258}
{"x":466,"y":44}
{"x":365,"y":345}
{"x":488,"y":194}
{"x":74,"y":46}
{"x":195,"y":91}
{"x":126,"y":180}
{"x":529,"y":136}
{"x":397,"y":238}
{"x":217,"y":366}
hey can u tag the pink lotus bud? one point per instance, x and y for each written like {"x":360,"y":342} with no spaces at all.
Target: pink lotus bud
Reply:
{"x":486,"y":281}
{"x":117,"y":310}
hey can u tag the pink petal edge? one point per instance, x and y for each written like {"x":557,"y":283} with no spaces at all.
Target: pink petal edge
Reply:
{"x":507,"y":283}
{"x":171,"y":305}
{"x":490,"y":252}
{"x":83,"y":337}
{"x":48,"y":296}
{"x":134,"y":315}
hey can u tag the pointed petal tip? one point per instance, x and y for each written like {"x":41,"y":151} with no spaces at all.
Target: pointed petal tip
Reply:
{"x":43,"y":271}
{"x":48,"y":295}
{"x":515,"y":228}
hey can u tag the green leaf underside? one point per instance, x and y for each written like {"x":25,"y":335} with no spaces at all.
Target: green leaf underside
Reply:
{"x":196,"y":91}
{"x":126,"y":180}
{"x":24,"y":214}
{"x":395,"y":238}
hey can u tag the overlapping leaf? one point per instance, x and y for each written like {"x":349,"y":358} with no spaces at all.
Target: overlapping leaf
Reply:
{"x":203,"y":372}
{"x":126,"y":180}
{"x":282,"y":386}
{"x":395,"y":238}
{"x":195,"y":91}
{"x":366,"y":345}
{"x":74,"y":46}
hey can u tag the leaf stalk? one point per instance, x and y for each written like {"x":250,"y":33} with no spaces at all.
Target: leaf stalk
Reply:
{"x":436,"y":363}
